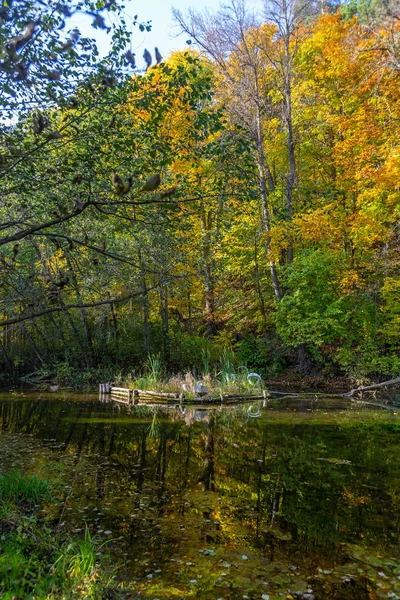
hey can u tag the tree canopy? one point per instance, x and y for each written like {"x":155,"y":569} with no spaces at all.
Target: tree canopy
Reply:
{"x":240,"y":194}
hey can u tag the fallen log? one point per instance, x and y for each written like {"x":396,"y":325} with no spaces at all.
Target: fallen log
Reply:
{"x":376,"y":386}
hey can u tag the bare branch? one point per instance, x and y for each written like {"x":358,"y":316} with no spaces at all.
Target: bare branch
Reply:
{"x":40,"y":226}
{"x":65,"y":307}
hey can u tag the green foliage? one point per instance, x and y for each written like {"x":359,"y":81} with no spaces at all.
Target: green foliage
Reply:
{"x":24,"y":569}
{"x":43,"y":63}
{"x":16,"y":488}
{"x":346,"y":328}
{"x":25,"y":572}
{"x":369,"y":359}
{"x":227,"y":372}
{"x":390,"y":293}
{"x":99,"y":281}
{"x":154,"y":367}
{"x":367,"y":11}
{"x":72,"y":376}
{"x":35,"y":561}
{"x":79,"y":565}
{"x":313,"y":312}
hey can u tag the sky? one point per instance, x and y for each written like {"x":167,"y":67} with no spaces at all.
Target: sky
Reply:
{"x":164,"y":34}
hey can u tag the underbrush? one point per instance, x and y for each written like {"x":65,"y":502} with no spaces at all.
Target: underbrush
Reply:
{"x":36,"y":561}
{"x":221,"y":373}
{"x":225,"y":361}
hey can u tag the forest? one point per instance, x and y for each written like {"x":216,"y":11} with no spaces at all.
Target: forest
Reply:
{"x":222,"y":220}
{"x":237,"y":198}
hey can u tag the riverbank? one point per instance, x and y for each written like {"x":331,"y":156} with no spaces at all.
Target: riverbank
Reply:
{"x":227,"y":379}
{"x":293,"y":381}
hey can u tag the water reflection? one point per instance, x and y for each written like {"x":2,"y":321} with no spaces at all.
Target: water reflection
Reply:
{"x":248,"y":500}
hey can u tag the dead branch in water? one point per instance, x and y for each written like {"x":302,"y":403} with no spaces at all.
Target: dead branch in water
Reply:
{"x":376,"y":386}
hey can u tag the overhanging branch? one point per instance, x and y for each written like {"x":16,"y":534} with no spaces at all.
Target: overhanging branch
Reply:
{"x":54,"y":309}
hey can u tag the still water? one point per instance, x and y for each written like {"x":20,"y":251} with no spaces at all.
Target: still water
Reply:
{"x":299,"y":499}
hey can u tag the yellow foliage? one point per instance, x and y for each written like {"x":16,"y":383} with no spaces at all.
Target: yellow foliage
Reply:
{"x":318,"y":226}
{"x":349,"y":281}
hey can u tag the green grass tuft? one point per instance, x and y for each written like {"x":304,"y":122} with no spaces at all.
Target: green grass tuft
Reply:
{"x":17,"y":488}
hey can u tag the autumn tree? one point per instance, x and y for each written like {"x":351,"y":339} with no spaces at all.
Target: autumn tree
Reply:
{"x":347,"y":228}
{"x":226,"y":37}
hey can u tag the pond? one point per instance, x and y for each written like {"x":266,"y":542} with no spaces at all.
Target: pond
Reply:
{"x":297,"y":499}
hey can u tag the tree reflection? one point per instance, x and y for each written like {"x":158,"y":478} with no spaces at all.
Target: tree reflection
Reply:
{"x":282,"y":483}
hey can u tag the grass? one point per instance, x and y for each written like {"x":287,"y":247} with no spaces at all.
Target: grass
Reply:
{"x":79,"y":567}
{"x":35,"y":560}
{"x":222,"y":375}
{"x":226,"y":378}
{"x":78,"y":560}
{"x":154,"y":367}
{"x":16,"y":488}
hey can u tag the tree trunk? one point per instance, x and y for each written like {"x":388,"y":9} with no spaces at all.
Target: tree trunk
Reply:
{"x":376,"y":386}
{"x":165,"y":322}
{"x":115,"y":331}
{"x":89,"y":341}
{"x":305,"y":362}
{"x":9,"y":363}
{"x":145,"y":304}
{"x":189,"y":306}
{"x":146,"y":311}
{"x":32,"y":343}
{"x":75,"y":331}
{"x":290,"y":182}
{"x":259,"y":290}
{"x":262,"y":169}
{"x":208,"y":275}
{"x":60,"y":334}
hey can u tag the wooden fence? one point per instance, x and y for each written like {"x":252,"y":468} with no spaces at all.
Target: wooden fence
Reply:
{"x":135,"y":396}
